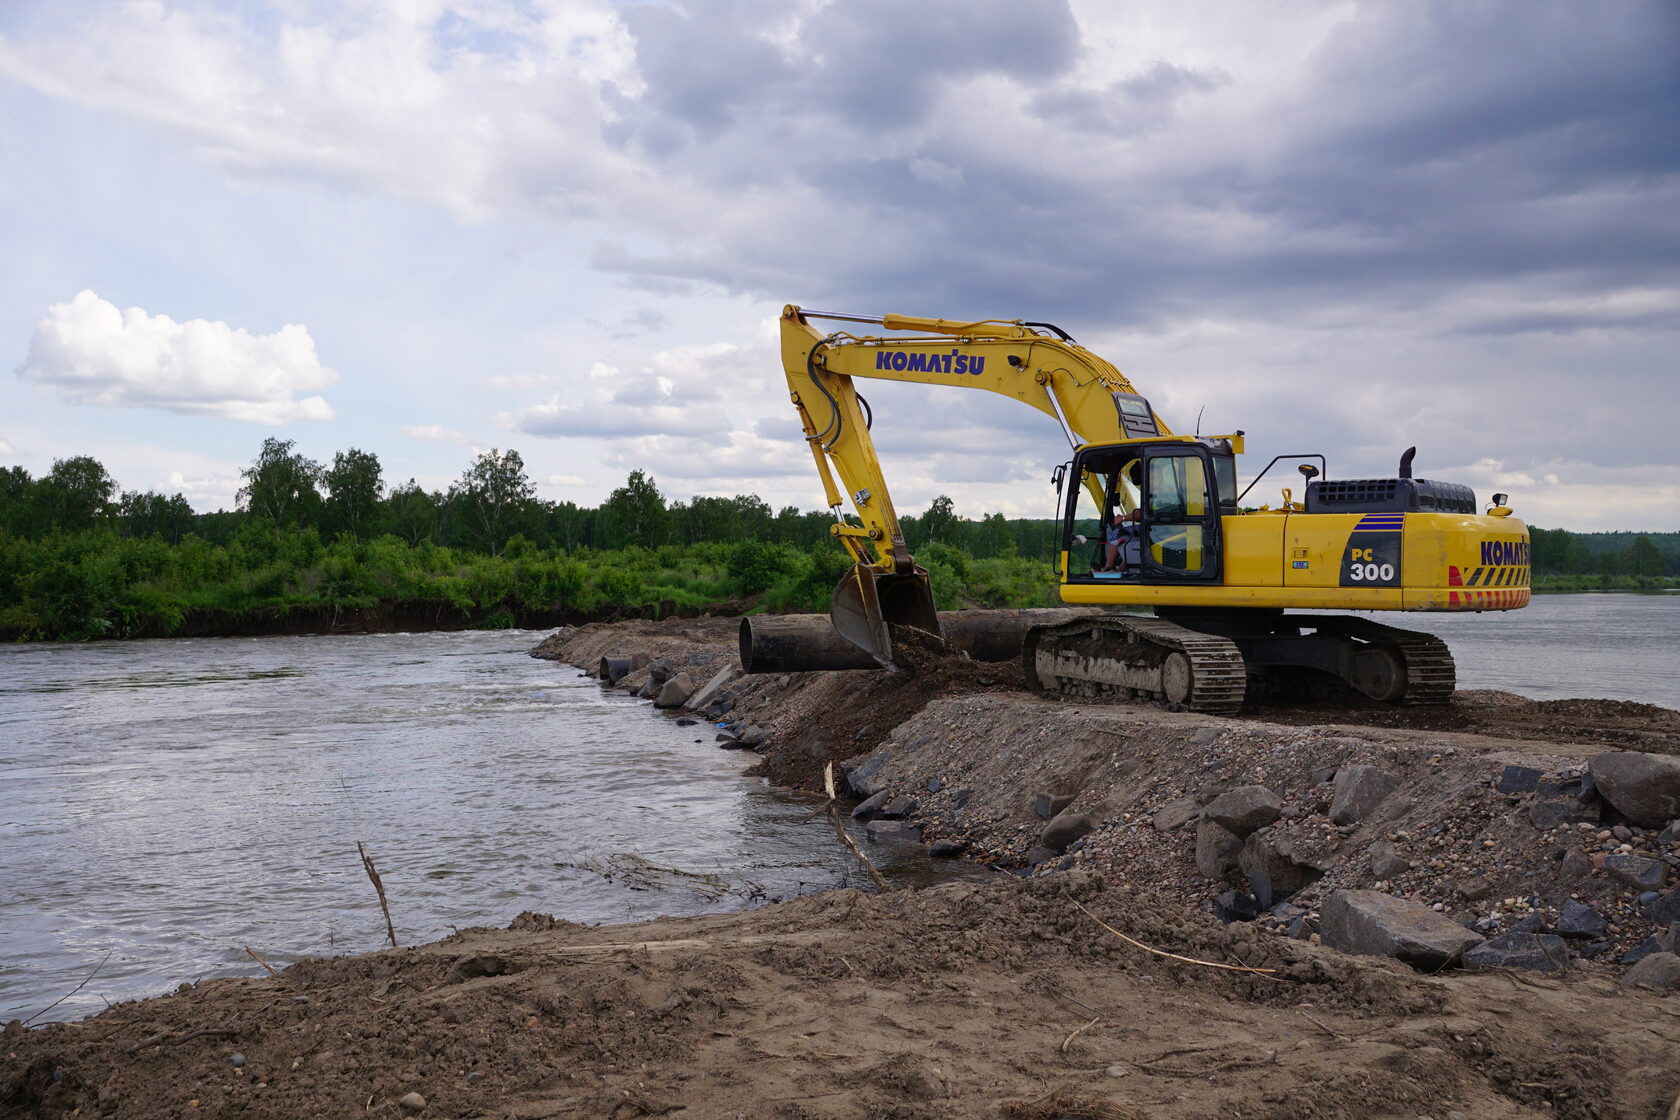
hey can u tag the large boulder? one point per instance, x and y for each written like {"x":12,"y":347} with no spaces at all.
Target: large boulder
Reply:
{"x":1542,"y":952}
{"x":1244,"y":810}
{"x":1175,"y":814}
{"x":1217,"y":850}
{"x":1577,"y":919}
{"x":1381,"y":925}
{"x":1386,"y":861}
{"x":1064,"y":828}
{"x":674,"y":693}
{"x":1645,"y":788}
{"x":870,"y":808}
{"x":1360,"y":789}
{"x":1047,"y":805}
{"x":1272,"y":868}
{"x":1664,"y":909}
{"x":1518,"y":779}
{"x":865,"y":776}
{"x":899,"y":807}
{"x":1660,"y":971}
{"x":1638,"y":872}
{"x":709,"y":691}
{"x":892,"y":832}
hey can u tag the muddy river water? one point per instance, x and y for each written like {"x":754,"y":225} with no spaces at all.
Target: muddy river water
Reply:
{"x":169,"y":803}
{"x":166,"y":804}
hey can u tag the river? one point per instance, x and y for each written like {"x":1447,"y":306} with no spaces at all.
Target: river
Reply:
{"x":166,"y":804}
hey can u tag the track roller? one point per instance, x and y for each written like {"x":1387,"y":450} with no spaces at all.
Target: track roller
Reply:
{"x":1123,"y":657}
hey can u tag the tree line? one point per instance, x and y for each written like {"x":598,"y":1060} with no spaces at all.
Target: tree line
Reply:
{"x":492,"y":504}
{"x":318,"y":546}
{"x":315,"y":546}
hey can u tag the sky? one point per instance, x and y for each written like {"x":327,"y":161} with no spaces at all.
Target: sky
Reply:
{"x":426,"y":229}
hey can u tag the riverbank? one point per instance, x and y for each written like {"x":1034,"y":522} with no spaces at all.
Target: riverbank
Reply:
{"x":1017,"y":995}
{"x":1485,"y":810}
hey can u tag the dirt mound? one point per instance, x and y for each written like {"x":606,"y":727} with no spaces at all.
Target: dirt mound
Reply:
{"x":822,"y":717}
{"x":1615,"y":723}
{"x":965,"y":1001}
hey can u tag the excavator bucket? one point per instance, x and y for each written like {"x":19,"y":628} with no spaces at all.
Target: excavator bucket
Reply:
{"x":869,"y":605}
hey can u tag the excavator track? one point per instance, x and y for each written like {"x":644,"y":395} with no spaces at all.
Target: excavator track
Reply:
{"x":1426,"y":664}
{"x":1122,"y":657}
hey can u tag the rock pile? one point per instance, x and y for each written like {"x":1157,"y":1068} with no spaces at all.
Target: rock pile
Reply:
{"x":1439,"y":850}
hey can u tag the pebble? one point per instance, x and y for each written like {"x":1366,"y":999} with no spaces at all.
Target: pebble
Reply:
{"x":414,"y":1102}
{"x":1117,"y":1071}
{"x":237,"y":1060}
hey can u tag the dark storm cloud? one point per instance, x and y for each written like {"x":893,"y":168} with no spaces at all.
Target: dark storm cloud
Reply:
{"x":700,"y":77}
{"x":870,"y":65}
{"x":1423,"y":146}
{"x":881,"y":63}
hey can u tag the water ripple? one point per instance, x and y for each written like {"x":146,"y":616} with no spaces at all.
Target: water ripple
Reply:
{"x":172,"y":802}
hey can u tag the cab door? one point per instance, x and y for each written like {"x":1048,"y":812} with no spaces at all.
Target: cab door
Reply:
{"x":1180,"y":520}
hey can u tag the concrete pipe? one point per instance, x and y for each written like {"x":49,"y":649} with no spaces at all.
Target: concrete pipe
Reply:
{"x":801,"y":643}
{"x":612,"y":669}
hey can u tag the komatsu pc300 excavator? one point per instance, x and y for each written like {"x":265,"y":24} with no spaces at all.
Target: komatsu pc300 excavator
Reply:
{"x":1153,"y":519}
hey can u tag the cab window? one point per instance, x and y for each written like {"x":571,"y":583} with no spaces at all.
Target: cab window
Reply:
{"x":1087,"y":523}
{"x":1178,"y":487}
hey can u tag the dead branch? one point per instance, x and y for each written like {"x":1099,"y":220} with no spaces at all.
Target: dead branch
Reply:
{"x":175,"y":1040}
{"x":1174,"y":956}
{"x":379,"y":889}
{"x":1320,"y":1025}
{"x":72,"y":991}
{"x":1068,"y":1041}
{"x":269,"y":969}
{"x":1240,"y":1063}
{"x":840,"y":829}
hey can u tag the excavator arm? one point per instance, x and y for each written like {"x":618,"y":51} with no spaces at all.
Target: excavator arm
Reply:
{"x":1034,"y":363}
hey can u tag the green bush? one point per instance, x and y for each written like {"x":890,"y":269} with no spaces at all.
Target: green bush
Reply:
{"x":95,"y":583}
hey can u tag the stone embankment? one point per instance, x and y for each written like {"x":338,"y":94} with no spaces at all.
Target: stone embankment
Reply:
{"x":1464,"y":848}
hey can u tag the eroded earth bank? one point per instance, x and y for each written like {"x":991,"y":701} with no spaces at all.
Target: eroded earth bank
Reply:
{"x":1297,"y":912}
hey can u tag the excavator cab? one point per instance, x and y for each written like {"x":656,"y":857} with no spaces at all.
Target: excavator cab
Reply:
{"x":1172,"y":494}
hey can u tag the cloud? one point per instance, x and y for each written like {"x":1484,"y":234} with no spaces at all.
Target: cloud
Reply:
{"x":731,"y":462}
{"x":204,"y":492}
{"x":1130,"y":107}
{"x":640,"y":321}
{"x":673,"y":391}
{"x":1348,"y":226}
{"x":89,"y":352}
{"x":1116,"y":163}
{"x":8,"y":450}
{"x":433,"y":433}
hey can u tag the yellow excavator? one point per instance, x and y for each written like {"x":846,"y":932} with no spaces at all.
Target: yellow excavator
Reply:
{"x":1153,"y":519}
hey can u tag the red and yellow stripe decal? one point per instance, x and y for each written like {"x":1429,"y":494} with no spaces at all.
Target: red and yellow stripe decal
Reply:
{"x":1489,"y":587}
